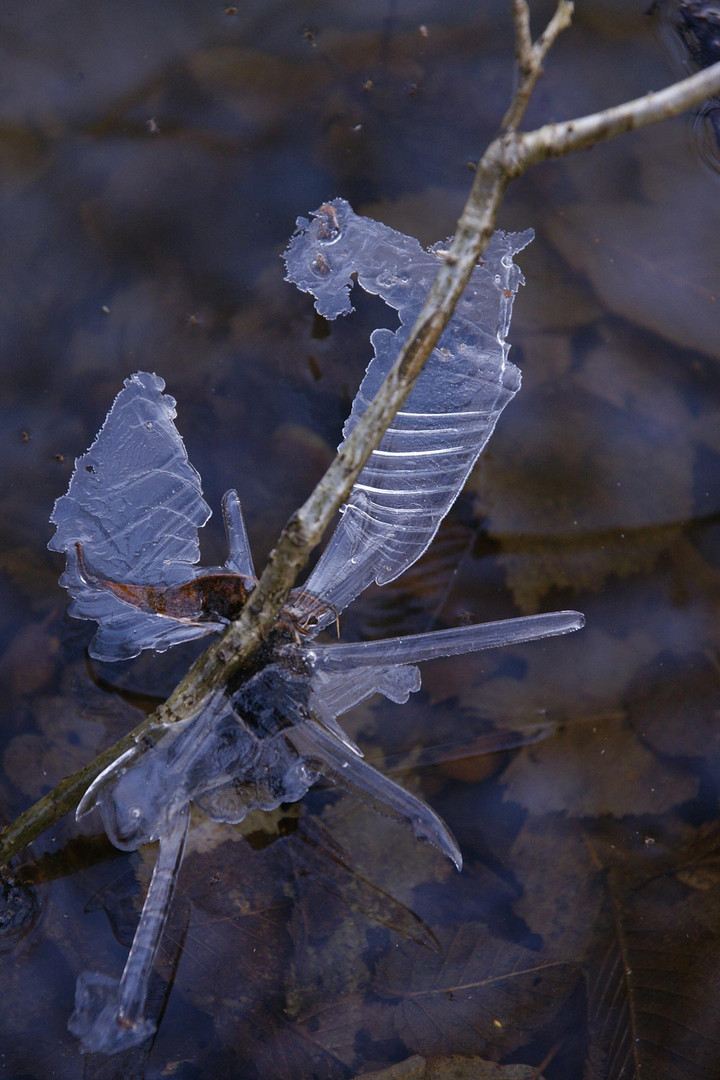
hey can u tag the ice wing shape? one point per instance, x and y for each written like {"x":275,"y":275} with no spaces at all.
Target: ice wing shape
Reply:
{"x":131,"y":518}
{"x":135,"y":500}
{"x":423,"y":460}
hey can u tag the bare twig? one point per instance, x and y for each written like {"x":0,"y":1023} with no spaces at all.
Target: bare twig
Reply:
{"x":523,"y":37}
{"x":510,"y":155}
{"x":529,"y":57}
{"x":554,"y":140}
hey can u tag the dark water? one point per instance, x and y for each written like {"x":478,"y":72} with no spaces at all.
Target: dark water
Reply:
{"x":153,"y":158}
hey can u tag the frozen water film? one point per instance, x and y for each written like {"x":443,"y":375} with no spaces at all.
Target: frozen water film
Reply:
{"x":129,"y":529}
{"x":413,"y":477}
{"x":128,"y":526}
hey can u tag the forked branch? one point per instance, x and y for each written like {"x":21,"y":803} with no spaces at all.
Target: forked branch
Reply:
{"x":509,"y":156}
{"x":529,"y":56}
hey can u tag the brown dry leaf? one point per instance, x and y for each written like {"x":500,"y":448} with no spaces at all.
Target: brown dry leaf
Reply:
{"x":590,"y":669}
{"x":236,"y":956}
{"x":596,"y":768}
{"x":674,"y":705}
{"x":31,"y":660}
{"x":413,"y":1068}
{"x":287,"y":919}
{"x":576,"y":498}
{"x":656,"y":278}
{"x":662,"y":278}
{"x":656,"y":956}
{"x":73,"y":727}
{"x":477,"y":994}
{"x":697,"y":863}
{"x":354,"y":874}
{"x":31,"y":573}
{"x":452,"y":1068}
{"x":561,"y":889}
{"x":597,"y":763}
{"x":564,"y":304}
{"x":473,"y":1068}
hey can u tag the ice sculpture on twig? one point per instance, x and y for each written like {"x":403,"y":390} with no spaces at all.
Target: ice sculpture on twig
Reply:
{"x":129,"y":528}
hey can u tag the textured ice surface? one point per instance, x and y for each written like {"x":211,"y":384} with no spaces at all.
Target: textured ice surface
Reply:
{"x":412,"y":479}
{"x":225,"y":756}
{"x":131,"y":518}
{"x":129,"y":522}
{"x":129,"y":528}
{"x":413,"y":649}
{"x":268,"y":742}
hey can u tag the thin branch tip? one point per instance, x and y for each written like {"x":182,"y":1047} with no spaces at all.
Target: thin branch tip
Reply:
{"x":560,"y":21}
{"x":530,"y":55}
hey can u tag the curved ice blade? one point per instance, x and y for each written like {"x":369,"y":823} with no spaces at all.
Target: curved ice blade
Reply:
{"x":425,"y":457}
{"x":349,"y":771}
{"x":239,"y":560}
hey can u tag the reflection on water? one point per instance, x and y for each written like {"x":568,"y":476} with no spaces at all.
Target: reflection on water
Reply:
{"x":691,"y":29}
{"x":19,"y":909}
{"x":152,"y":163}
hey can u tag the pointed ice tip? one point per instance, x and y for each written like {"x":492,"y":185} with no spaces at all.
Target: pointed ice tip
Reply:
{"x":553,"y":623}
{"x":447,"y":843}
{"x":433,"y":829}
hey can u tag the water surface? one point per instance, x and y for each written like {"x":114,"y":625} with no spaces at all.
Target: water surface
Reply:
{"x":153,"y":160}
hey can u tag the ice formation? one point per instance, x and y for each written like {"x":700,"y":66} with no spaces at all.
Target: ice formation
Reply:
{"x":129,"y":528}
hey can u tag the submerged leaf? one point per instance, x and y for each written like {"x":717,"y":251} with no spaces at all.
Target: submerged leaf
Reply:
{"x":477,"y":995}
{"x":650,"y":1007}
{"x":453,"y":1068}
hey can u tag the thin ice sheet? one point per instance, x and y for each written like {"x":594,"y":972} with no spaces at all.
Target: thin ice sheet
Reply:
{"x":131,"y":518}
{"x":412,"y":479}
